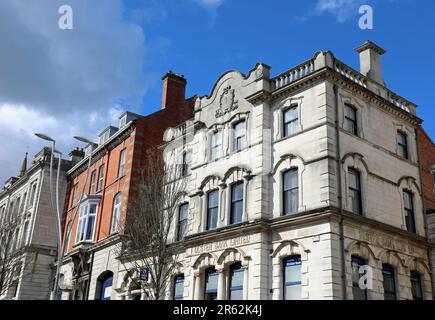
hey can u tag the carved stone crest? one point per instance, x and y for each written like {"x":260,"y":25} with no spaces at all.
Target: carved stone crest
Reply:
{"x":227,"y":102}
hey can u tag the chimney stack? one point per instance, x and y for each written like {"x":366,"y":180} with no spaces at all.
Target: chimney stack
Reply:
{"x":370,"y":61}
{"x":174,"y":90}
{"x":76,"y":155}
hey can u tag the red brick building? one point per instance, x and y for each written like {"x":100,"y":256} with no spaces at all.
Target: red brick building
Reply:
{"x":97,"y":197}
{"x":427,"y":163}
{"x":426,"y":149}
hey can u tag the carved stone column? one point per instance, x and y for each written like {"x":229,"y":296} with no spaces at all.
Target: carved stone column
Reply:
{"x":245,"y":282}
{"x":198,"y":286}
{"x":221,"y":293}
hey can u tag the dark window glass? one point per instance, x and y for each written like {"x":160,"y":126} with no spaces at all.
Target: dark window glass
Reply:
{"x":100,"y":178}
{"x":212,"y":209}
{"x":183,"y":211}
{"x":350,"y":120}
{"x":292,"y":278}
{"x":409,"y":211}
{"x":417,"y":291}
{"x":179,"y":287}
{"x":75,"y":191}
{"x":236,"y":282}
{"x":236,"y":203}
{"x":184,"y":165}
{"x":355,"y":191}
{"x":402,"y":144}
{"x":121,"y":169}
{"x":92,"y":184}
{"x":389,"y":282}
{"x":239,"y":136}
{"x":358,"y":293}
{"x":211,"y":283}
{"x":291,"y":121}
{"x":291,"y":191}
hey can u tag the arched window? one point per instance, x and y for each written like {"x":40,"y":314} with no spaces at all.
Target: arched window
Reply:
{"x":116,"y":214}
{"x":211,"y":283}
{"x":416,"y":288}
{"x":216,"y":145}
{"x":290,"y":191}
{"x":292,"y":278}
{"x":212,"y":209}
{"x":358,"y":293}
{"x":104,"y":286}
{"x":178,"y":292}
{"x":389,"y":280}
{"x":236,"y":213}
{"x":236,"y":282}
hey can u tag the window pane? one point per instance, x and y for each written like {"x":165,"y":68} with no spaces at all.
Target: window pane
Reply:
{"x":291,"y":179}
{"x":358,"y":293}
{"x":389,"y":283}
{"x":179,"y":287}
{"x":291,"y":121}
{"x":213,"y":199}
{"x":90,"y":228}
{"x":184,"y":208}
{"x":211,"y":280}
{"x":292,"y":278}
{"x":417,"y":292}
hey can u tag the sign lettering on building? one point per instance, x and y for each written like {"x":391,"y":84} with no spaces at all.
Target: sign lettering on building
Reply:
{"x":221,"y":245}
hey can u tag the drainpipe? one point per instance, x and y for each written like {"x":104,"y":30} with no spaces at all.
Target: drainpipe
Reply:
{"x":339,"y":195}
{"x":429,"y":253}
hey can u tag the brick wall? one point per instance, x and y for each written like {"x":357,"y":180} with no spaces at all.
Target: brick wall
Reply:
{"x":427,"y":163}
{"x":147,"y":135}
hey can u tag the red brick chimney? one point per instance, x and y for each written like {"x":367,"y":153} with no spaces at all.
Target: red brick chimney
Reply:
{"x":174,"y":90}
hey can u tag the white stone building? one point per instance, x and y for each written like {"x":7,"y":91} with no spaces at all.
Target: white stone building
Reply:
{"x":34,"y":244}
{"x":297,"y":180}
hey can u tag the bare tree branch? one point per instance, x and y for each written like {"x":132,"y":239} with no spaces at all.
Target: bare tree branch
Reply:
{"x":146,"y":228}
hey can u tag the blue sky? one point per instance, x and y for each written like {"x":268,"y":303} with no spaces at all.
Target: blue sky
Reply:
{"x":76,"y":82}
{"x":202,"y":44}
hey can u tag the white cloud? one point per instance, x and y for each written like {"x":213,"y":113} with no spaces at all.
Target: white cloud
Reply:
{"x":210,"y":3}
{"x":343,"y":10}
{"x":65,"y":82}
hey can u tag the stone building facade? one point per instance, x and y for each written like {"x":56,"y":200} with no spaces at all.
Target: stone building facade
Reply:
{"x":27,"y":197}
{"x":298,"y":180}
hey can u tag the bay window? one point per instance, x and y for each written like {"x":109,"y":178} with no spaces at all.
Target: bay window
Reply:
{"x":86,"y":224}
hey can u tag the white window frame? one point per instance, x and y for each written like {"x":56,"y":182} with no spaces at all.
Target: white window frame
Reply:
{"x":116,"y":213}
{"x":83,"y":221}
{"x":216,"y":149}
{"x":121,"y":168}
{"x":242,"y":137}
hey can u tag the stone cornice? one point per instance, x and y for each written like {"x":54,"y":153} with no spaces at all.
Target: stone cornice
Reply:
{"x":101,"y":151}
{"x":327,"y":73}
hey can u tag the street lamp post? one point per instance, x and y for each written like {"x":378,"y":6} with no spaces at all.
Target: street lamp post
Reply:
{"x":55,"y":207}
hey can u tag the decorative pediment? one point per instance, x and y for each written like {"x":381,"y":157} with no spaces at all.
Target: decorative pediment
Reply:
{"x":227,"y":102}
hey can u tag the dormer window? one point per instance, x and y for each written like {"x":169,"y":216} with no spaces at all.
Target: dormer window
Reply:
{"x":123,"y":121}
